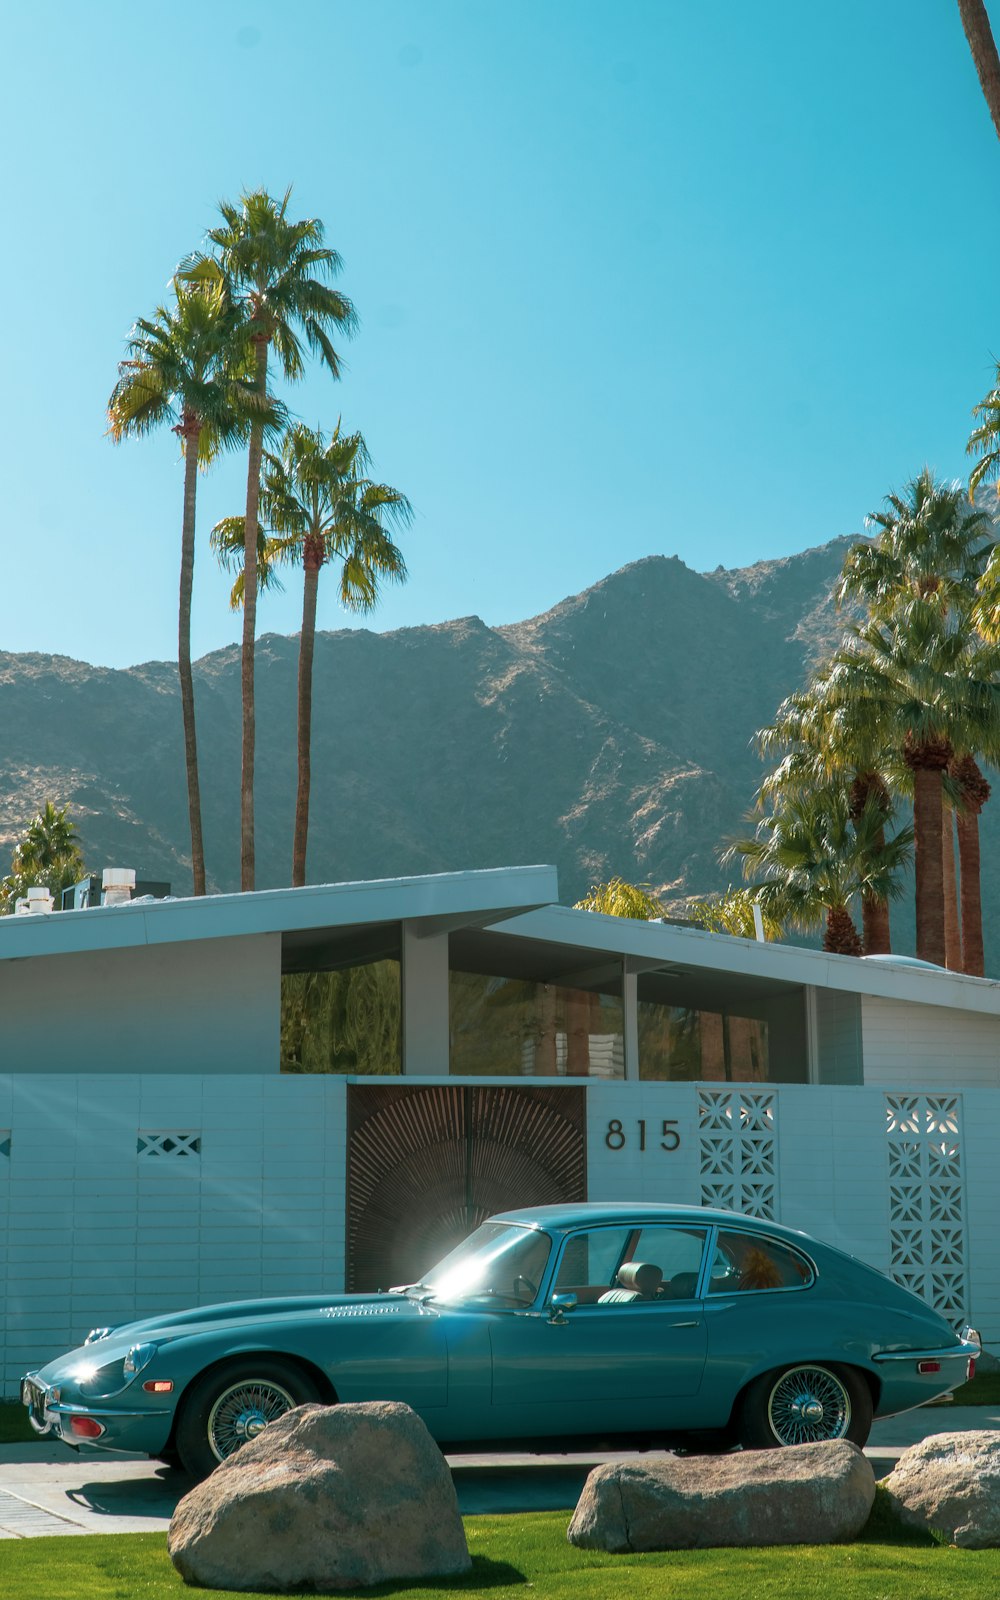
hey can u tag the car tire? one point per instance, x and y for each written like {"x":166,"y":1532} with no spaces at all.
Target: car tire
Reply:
{"x":805,"y":1404}
{"x":230,"y":1404}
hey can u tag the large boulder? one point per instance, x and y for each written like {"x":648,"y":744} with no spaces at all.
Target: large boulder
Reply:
{"x":951,"y":1483}
{"x":329,"y":1497}
{"x":810,"y":1494}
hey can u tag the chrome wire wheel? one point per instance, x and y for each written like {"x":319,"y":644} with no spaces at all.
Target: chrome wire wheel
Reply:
{"x":808,"y":1405}
{"x":243,"y":1411}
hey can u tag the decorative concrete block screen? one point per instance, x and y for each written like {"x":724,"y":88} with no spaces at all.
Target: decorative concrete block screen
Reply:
{"x":738,"y":1150}
{"x":927,"y":1222}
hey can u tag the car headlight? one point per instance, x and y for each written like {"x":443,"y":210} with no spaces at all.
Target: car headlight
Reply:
{"x":138,"y":1358}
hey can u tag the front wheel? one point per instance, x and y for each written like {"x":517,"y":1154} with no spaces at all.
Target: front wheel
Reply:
{"x":805,"y":1405}
{"x":225,"y":1408}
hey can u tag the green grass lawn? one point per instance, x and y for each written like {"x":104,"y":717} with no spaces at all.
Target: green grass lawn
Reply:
{"x":515,"y":1553}
{"x":984,"y":1390}
{"x":14,"y":1425}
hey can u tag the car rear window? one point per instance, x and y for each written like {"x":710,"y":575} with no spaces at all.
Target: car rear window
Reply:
{"x":745,"y":1261}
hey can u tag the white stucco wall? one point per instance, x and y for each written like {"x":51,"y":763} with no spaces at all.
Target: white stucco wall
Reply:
{"x":210,"y":1005}
{"x":929,"y":1046}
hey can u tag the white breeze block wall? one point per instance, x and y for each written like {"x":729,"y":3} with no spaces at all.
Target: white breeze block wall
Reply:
{"x":937,"y":1046}
{"x":93,"y":1230}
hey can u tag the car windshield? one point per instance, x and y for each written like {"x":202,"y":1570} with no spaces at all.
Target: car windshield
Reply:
{"x":500,"y":1261}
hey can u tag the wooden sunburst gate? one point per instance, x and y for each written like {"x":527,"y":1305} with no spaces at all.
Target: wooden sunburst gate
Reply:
{"x":427,"y":1164}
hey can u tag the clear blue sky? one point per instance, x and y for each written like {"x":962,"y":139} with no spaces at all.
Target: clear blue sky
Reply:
{"x":657,"y":277}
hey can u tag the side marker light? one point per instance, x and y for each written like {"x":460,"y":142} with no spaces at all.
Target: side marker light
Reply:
{"x":158,"y":1385}
{"x":928,"y":1366}
{"x":86,"y":1427}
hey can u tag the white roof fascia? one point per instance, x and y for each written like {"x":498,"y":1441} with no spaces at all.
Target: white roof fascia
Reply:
{"x":663,"y":944}
{"x":497,"y":892}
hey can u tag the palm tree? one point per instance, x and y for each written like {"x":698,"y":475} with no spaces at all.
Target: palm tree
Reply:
{"x":319,"y":509}
{"x":810,"y":857}
{"x":186,"y":367}
{"x":616,"y":898}
{"x":929,"y":689}
{"x":273,"y":268}
{"x":929,"y":542}
{"x":48,"y":853}
{"x":830,"y":740}
{"x":974,"y":792}
{"x":976,"y":23}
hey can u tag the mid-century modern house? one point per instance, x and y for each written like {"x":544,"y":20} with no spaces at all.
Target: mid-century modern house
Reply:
{"x":304,"y":1090}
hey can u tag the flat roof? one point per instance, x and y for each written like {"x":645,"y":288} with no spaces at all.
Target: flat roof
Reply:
{"x":752,"y":969}
{"x":442,"y":900}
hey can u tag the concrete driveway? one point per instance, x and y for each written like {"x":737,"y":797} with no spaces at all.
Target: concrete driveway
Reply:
{"x":46,"y":1489}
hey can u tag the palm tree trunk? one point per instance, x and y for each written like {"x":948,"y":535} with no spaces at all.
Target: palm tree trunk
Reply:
{"x":247,"y":861}
{"x":928,"y":863}
{"x":841,"y":936}
{"x":191,"y":432}
{"x":984,"y":53}
{"x":952,"y":926}
{"x":875,"y":926}
{"x":975,"y":793}
{"x":312,"y":561}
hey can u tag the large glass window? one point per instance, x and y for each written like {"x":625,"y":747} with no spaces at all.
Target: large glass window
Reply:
{"x":348,"y":1020}
{"x":516,"y":1026}
{"x":743,"y":1262}
{"x":666,"y":1262}
{"x":679,"y":1044}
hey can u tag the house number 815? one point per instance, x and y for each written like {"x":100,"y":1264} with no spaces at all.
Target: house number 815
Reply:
{"x":616,"y":1138}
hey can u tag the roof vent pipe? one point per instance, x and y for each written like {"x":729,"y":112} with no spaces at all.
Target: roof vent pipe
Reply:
{"x":117,"y":884}
{"x":38,"y":899}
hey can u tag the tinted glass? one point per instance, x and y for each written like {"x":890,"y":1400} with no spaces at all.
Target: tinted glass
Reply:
{"x":745,"y":1261}
{"x":500,"y":1261}
{"x":590,"y":1261}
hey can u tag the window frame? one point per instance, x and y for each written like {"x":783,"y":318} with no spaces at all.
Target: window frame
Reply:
{"x":633,"y":1231}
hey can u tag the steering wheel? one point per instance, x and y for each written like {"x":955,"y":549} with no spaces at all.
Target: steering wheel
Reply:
{"x":524,"y":1288}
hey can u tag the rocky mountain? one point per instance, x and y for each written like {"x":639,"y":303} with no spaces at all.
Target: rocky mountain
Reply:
{"x":610,"y":735}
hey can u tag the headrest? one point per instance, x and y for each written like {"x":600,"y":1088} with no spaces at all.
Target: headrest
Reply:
{"x":643,"y":1276}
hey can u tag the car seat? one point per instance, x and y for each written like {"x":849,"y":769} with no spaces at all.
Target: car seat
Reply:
{"x":636,"y":1280}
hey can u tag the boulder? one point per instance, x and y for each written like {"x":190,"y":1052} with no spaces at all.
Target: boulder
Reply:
{"x":950,"y":1483}
{"x":809,"y":1494}
{"x":327,"y":1497}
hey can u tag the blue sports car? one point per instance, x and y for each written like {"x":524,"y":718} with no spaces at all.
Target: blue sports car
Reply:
{"x":558,"y":1324}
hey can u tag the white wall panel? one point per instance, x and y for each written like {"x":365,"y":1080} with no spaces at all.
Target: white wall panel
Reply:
{"x":935,"y":1047}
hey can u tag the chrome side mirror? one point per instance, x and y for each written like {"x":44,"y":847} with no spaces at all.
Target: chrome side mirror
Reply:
{"x":558,"y":1307}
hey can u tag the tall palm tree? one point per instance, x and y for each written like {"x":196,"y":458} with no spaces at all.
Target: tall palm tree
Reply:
{"x":929,"y":689}
{"x":929,"y":541}
{"x":974,"y":791}
{"x":186,"y":368}
{"x":274,"y":269}
{"x":810,"y":858}
{"x":320,"y":510}
{"x":827,"y":739}
{"x":976,"y":23}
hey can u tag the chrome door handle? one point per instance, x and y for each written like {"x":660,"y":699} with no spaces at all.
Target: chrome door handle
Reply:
{"x":693,"y":1324}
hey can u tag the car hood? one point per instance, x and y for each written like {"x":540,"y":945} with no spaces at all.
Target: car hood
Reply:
{"x":233,"y":1316}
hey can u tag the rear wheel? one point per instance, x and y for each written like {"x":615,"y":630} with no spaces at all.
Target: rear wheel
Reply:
{"x":806,"y":1405}
{"x":225,"y":1408}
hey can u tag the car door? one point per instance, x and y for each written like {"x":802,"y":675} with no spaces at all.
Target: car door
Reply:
{"x":621,"y":1360}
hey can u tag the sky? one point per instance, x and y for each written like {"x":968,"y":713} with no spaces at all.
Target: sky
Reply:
{"x":646,"y":279}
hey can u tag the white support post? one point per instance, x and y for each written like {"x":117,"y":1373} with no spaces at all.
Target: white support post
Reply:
{"x":630,"y":1020}
{"x":424,"y":984}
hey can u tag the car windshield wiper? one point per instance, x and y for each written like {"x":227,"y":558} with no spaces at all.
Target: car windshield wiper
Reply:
{"x":418,"y":1291}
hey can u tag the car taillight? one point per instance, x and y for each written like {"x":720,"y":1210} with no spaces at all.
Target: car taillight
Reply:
{"x":86,"y":1427}
{"x":972,"y":1368}
{"x":158,"y":1385}
{"x":928,"y":1366}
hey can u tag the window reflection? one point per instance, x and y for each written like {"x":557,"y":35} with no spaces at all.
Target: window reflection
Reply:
{"x":679,"y":1044}
{"x":517,"y":1027}
{"x":342,"y":1021}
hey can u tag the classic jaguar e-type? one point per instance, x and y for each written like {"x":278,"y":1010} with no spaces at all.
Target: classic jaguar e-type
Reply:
{"x":561,"y":1323}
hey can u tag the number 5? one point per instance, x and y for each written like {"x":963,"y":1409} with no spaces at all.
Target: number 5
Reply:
{"x":671,"y":1138}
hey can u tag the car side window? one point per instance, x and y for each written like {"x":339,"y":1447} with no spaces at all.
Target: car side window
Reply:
{"x":625,"y":1266}
{"x":590,"y":1261}
{"x":745,"y":1261}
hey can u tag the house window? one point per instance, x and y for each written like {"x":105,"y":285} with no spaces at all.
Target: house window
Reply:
{"x":679,"y":1044}
{"x":347,"y":1020}
{"x":520,"y":1027}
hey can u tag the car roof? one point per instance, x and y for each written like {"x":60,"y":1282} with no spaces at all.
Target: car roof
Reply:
{"x":564,"y":1218}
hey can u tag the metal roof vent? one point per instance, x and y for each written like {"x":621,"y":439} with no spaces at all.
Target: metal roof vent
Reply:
{"x":117,"y":884}
{"x":38,"y":899}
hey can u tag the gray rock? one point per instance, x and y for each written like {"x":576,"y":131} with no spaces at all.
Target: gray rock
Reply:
{"x":950,"y":1483}
{"x":332,"y":1497}
{"x":810,"y":1494}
